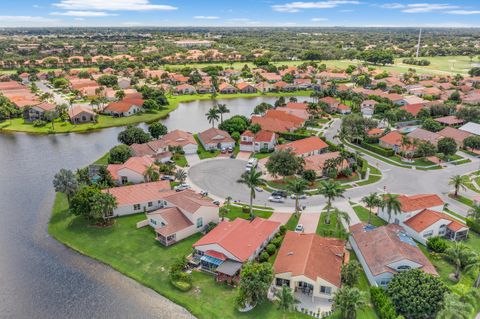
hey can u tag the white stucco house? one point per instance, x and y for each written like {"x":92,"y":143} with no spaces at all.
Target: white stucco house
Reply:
{"x":132,"y":171}
{"x":262,"y":141}
{"x":215,"y":139}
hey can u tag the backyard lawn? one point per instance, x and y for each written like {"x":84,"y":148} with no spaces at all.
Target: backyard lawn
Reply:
{"x":136,"y":253}
{"x":238,"y":212}
{"x":363,"y":213}
{"x":331,"y":229}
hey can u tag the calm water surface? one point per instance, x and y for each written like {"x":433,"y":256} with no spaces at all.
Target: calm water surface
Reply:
{"x":40,"y":278}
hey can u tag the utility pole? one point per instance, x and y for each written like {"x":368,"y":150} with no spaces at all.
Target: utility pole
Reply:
{"x":418,"y":44}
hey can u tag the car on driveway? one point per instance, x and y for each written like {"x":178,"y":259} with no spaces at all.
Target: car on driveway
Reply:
{"x":259,"y":189}
{"x":167,"y":178}
{"x":299,"y":228}
{"x":181,"y":187}
{"x":276,"y":199}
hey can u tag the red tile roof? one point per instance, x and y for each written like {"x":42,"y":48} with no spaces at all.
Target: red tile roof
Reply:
{"x":174,"y":219}
{"x":418,"y":202}
{"x":311,"y":256}
{"x":427,"y":218}
{"x":140,"y":193}
{"x":136,"y":164}
{"x":392,"y":138}
{"x":413,"y":108}
{"x":456,"y":134}
{"x":273,"y":125}
{"x":215,"y":135}
{"x":305,"y":145}
{"x":449,"y":120}
{"x":240,"y":237}
{"x":124,"y":105}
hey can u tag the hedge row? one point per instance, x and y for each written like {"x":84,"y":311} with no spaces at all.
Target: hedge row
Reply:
{"x":378,"y":150}
{"x":473,"y":225}
{"x":363,"y":168}
{"x":292,"y":136}
{"x":382,"y":303}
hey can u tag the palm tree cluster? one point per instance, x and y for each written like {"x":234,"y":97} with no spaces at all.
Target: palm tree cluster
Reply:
{"x":215,"y":113}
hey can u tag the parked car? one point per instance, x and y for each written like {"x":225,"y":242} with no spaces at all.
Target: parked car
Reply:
{"x":259,"y":189}
{"x":223,"y":150}
{"x":230,"y":149}
{"x":204,"y":193}
{"x":170,"y":162}
{"x":276,"y":199}
{"x":280,"y":193}
{"x":216,"y":202}
{"x":167,"y":178}
{"x":181,"y":187}
{"x":299,"y":228}
{"x":301,"y":196}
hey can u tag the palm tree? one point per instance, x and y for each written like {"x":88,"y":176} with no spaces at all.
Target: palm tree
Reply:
{"x":458,"y":182}
{"x":341,"y":216}
{"x":460,"y":256}
{"x":371,"y":201}
{"x":297,"y":187}
{"x":181,"y":175}
{"x":212,"y":116}
{"x":221,"y":109}
{"x":228,"y":202}
{"x":392,"y":205}
{"x":151,"y":173}
{"x":348,"y":300}
{"x":453,"y":307}
{"x":330,"y":190}
{"x":286,"y":300}
{"x":473,"y":266}
{"x":474,"y":212}
{"x":405,"y":143}
{"x":252,"y":179}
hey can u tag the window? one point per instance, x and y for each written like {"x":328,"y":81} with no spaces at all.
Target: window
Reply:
{"x":428,"y":233}
{"x":153,"y":222}
{"x":124,"y":180}
{"x":199,"y":222}
{"x":403,"y":267}
{"x":384,"y":282}
{"x":136,"y":207}
{"x":279,"y":282}
{"x":150,"y":204}
{"x":326,"y":290}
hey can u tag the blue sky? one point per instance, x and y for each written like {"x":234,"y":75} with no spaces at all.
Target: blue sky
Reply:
{"x":39,"y":13}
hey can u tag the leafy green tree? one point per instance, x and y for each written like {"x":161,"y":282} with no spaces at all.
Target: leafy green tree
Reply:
{"x":255,"y":128}
{"x":133,"y":135}
{"x":460,"y":256}
{"x":255,"y":280}
{"x":474,"y":213}
{"x":472,"y":142}
{"x":447,"y":146}
{"x":347,"y":301}
{"x":350,"y":273}
{"x":109,"y":80}
{"x":474,"y":71}
{"x":458,"y":182}
{"x":119,"y":154}
{"x":102,"y":206}
{"x":236,"y":123}
{"x":284,"y":163}
{"x":181,"y":175}
{"x":309,"y":175}
{"x":157,"y":129}
{"x":286,"y":300}
{"x":252,"y":179}
{"x":425,"y":148}
{"x":416,"y":294}
{"x":297,"y":187}
{"x":330,"y":189}
{"x":454,"y":308}
{"x":151,"y":174}
{"x":90,"y":203}
{"x":65,"y":182}
{"x":432,"y":125}
{"x":120,"y":95}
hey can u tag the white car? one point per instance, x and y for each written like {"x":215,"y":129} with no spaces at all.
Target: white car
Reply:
{"x":276,"y":199}
{"x":299,"y":228}
{"x":259,"y":189}
{"x":301,"y":196}
{"x":181,"y":187}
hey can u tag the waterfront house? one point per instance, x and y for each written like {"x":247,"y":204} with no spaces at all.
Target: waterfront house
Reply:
{"x":215,"y":139}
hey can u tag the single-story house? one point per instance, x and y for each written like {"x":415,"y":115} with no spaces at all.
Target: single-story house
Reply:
{"x":450,"y":120}
{"x":458,"y":135}
{"x":244,"y":87}
{"x":124,"y":83}
{"x":262,"y":141}
{"x":424,"y":135}
{"x":332,"y":102}
{"x":37,"y":112}
{"x":215,"y":139}
{"x":410,"y":206}
{"x":310,"y":265}
{"x":81,"y":114}
{"x":317,"y":162}
{"x":226,"y":247}
{"x":182,"y":214}
{"x":471,"y":127}
{"x":385,"y":251}
{"x":185,"y":89}
{"x":225,"y":88}
{"x":132,"y":171}
{"x":391,"y":140}
{"x":125,"y":107}
{"x":368,"y":107}
{"x":305,"y":147}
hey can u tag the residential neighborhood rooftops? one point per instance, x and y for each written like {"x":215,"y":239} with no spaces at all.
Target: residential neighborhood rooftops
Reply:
{"x":425,"y":135}
{"x":137,"y":164}
{"x":214,"y":136}
{"x":312,"y":256}
{"x":303,"y":146}
{"x":418,"y":202}
{"x":174,"y":219}
{"x":449,"y":120}
{"x":139,"y":193}
{"x":471,"y":127}
{"x":456,"y":134}
{"x":392,"y":138}
{"x":428,"y":217}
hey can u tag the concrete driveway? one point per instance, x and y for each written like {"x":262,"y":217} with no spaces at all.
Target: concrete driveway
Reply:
{"x":280,"y":217}
{"x":309,"y":222}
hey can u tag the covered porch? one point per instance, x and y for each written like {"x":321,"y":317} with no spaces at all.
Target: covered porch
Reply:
{"x":167,"y":240}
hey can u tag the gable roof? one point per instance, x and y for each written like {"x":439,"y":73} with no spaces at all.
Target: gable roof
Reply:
{"x":427,"y":218}
{"x":382,"y":246}
{"x":135,"y":163}
{"x":124,"y":105}
{"x":240,"y":237}
{"x":392,"y":138}
{"x":174,"y":219}
{"x":420,"y":201}
{"x":215,"y":135}
{"x":471,"y":127}
{"x":306,"y":145}
{"x":273,"y":125}
{"x":139,"y":193}
{"x":456,"y":134}
{"x":449,"y":120}
{"x":424,"y":135}
{"x":312,"y":256}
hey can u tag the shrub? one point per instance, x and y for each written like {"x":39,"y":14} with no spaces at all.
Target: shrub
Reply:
{"x":377,"y":149}
{"x":263,"y":257}
{"x":39,"y":123}
{"x":293,"y":136}
{"x":271,"y":248}
{"x":282,"y":230}
{"x":347,"y":172}
{"x":383,"y":305}
{"x":245,"y":209}
{"x":277,"y":241}
{"x":437,"y":244}
{"x":474,"y":226}
{"x":182,"y":285}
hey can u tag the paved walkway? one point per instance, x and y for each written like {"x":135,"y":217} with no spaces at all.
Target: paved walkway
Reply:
{"x":244,"y":156}
{"x":192,"y":159}
{"x":309,"y":222}
{"x":280,"y":217}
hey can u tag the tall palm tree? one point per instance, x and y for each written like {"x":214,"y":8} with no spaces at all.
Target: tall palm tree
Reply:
{"x":252,"y":179}
{"x":460,"y":256}
{"x":453,"y":307}
{"x":330,"y":190}
{"x":473,"y":266}
{"x":474,"y":212}
{"x":458,"y":182}
{"x":181,"y":175}
{"x":392,"y":205}
{"x":341,"y":216}
{"x":222,"y":109}
{"x":371,"y":201}
{"x":151,"y":173}
{"x":212,"y":116}
{"x":286,"y":300}
{"x":297,"y":187}
{"x":348,"y":301}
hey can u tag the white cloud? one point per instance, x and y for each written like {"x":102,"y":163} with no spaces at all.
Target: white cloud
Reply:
{"x":206,"y":17}
{"x":318,"y":19}
{"x":427,"y":7}
{"x":79,"y":19}
{"x":297,"y":6}
{"x":464,"y":12}
{"x":112,"y":5}
{"x":83,"y":14}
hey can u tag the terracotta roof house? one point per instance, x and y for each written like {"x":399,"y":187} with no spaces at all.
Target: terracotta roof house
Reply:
{"x":375,"y":132}
{"x":139,"y":198}
{"x":132,"y":171}
{"x":430,"y":223}
{"x":450,"y":120}
{"x":181,"y":215}
{"x":471,"y":127}
{"x":81,"y":114}
{"x":305,"y":147}
{"x":126,"y":107}
{"x":186,"y":140}
{"x":456,"y":134}
{"x":412,"y":205}
{"x":287,"y":115}
{"x":310,"y":264}
{"x":274,"y":125}
{"x":215,"y":139}
{"x":226,"y":247}
{"x":262,"y":141}
{"x":225,"y":88}
{"x":244,"y":87}
{"x":264,"y":87}
{"x":185,"y":89}
{"x":37,"y":112}
{"x":413,"y":108}
{"x":317,"y":162}
{"x":368,"y":107}
{"x":332,"y":102}
{"x":272,"y":77}
{"x":424,"y":135}
{"x":391,"y":140}
{"x":385,"y":251}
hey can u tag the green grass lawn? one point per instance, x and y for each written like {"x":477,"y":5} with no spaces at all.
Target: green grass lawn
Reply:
{"x":292,"y":222}
{"x":180,"y":160}
{"x":363,"y":285}
{"x":262,"y":155}
{"x":363,"y":214}
{"x":103,"y":160}
{"x":136,"y":253}
{"x":237,"y":212}
{"x":331,"y":229}
{"x":462,"y":199}
{"x":202,"y":152}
